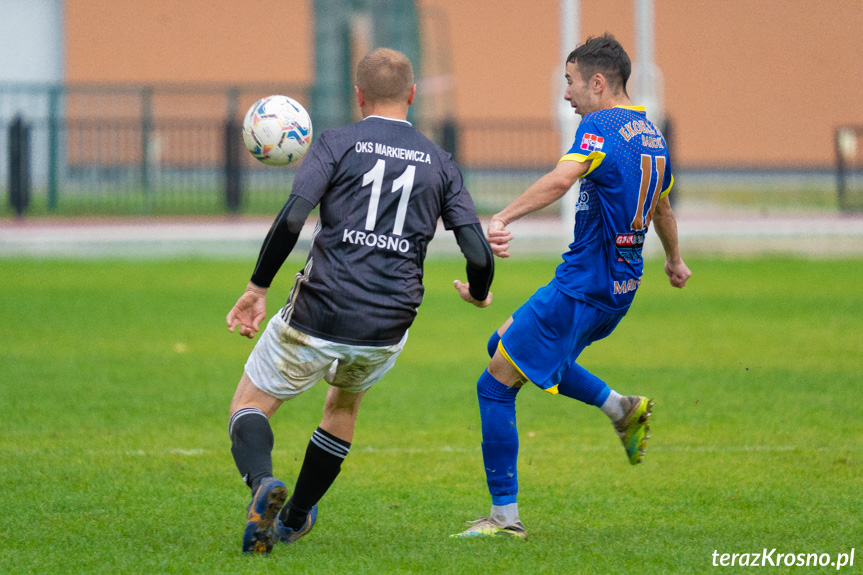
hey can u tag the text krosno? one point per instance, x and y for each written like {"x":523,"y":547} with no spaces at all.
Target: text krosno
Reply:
{"x":773,"y":559}
{"x":374,"y":240}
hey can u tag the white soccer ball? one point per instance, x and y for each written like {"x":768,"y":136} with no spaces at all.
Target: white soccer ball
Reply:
{"x":277,"y":130}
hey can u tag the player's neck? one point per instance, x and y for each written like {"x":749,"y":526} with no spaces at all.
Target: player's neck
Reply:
{"x":393,"y":111}
{"x":617,"y":100}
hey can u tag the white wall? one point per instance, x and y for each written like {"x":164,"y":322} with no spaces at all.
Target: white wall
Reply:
{"x":31,"y":40}
{"x":31,"y":51}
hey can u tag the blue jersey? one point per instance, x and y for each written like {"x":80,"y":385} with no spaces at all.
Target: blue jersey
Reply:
{"x":629,"y":172}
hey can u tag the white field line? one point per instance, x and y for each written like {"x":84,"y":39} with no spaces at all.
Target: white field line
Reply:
{"x":373,"y":450}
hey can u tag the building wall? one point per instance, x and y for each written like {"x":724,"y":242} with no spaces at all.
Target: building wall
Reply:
{"x":215,"y":41}
{"x":748,"y":83}
{"x":31,"y":41}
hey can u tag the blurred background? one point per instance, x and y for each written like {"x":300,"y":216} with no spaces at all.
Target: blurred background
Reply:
{"x":130,"y":108}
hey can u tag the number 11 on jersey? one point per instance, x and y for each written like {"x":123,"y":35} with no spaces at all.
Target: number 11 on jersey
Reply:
{"x":405,"y":183}
{"x":640,"y":222}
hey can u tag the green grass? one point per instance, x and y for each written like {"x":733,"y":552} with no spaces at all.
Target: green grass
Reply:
{"x":116,"y":380}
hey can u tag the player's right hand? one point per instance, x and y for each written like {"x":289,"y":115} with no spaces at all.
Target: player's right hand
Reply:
{"x":249,"y":311}
{"x":498,"y":238}
{"x":464,"y":292}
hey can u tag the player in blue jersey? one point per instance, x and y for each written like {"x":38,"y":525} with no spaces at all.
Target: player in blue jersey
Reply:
{"x":622,"y":160}
{"x":381,"y":187}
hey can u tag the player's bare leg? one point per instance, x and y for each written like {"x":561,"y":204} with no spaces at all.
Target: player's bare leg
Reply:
{"x":340,"y":412}
{"x":247,"y":395}
{"x":328,"y":447}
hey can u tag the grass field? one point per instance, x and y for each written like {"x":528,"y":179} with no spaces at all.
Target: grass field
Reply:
{"x":116,"y":379}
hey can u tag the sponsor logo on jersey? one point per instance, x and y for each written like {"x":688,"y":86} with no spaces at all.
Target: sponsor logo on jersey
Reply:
{"x":629,"y":240}
{"x":626,"y":286}
{"x":629,"y":248}
{"x":592,"y":142}
{"x":583,"y":201}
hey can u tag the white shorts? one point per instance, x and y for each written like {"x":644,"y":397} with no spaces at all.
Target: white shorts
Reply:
{"x":286,"y":362}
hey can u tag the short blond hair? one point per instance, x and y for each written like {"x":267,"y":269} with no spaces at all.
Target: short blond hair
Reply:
{"x":385,"y":75}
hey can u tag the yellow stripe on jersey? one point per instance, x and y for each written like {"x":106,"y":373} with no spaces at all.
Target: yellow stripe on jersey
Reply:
{"x":595,"y":158}
{"x":668,"y":189}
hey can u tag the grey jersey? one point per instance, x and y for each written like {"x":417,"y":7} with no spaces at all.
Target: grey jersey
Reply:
{"x":381,"y":186}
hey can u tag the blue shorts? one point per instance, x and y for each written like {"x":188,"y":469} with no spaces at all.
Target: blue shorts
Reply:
{"x":549,"y":332}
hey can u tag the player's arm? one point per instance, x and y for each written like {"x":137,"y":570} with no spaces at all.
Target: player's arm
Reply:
{"x":251,"y":308}
{"x":665,"y":225}
{"x":480,"y":265}
{"x":545,"y":191}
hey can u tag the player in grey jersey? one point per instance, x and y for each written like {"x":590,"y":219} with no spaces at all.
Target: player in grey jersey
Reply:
{"x":381,"y":187}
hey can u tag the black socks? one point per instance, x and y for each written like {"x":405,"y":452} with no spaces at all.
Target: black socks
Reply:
{"x":321,"y":466}
{"x":252,"y":445}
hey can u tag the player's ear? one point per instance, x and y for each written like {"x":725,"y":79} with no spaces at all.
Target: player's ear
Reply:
{"x":412,"y":94}
{"x":361,"y":99}
{"x":598,"y":83}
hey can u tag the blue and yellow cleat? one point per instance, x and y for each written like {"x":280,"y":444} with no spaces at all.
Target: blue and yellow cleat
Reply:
{"x":288,"y":535}
{"x":633,"y":427}
{"x":490,"y":527}
{"x":263,"y":511}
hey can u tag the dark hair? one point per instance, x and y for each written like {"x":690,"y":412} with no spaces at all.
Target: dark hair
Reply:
{"x":603,"y":55}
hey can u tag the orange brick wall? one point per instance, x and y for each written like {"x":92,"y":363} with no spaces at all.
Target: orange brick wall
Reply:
{"x":749,"y":83}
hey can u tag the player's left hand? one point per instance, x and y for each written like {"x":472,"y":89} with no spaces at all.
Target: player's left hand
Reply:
{"x":464,"y":292}
{"x":677,"y":272}
{"x":249,"y":311}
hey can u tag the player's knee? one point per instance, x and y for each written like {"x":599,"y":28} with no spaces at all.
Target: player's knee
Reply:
{"x":489,"y":387}
{"x":250,"y":422}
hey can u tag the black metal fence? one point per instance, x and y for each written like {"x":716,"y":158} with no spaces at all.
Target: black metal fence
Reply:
{"x":141,"y":150}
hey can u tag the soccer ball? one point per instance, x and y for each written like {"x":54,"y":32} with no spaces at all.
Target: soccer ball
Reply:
{"x":277,"y":130}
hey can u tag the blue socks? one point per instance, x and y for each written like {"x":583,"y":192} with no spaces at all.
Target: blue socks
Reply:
{"x":577,"y":382}
{"x":580,"y":384}
{"x":499,"y":438}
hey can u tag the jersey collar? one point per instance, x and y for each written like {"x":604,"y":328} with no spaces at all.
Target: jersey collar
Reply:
{"x":390,"y":119}
{"x":633,"y":108}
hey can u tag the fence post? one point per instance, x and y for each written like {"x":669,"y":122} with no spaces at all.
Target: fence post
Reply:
{"x":53,"y":143}
{"x":840,"y":170}
{"x":19,"y":166}
{"x":146,"y":134}
{"x":233,"y":169}
{"x":449,"y":138}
